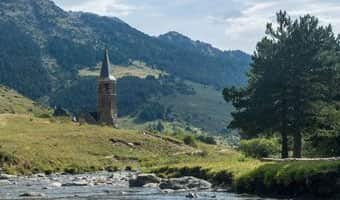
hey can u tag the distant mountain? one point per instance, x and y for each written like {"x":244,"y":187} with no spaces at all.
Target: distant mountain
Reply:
{"x":55,"y":44}
{"x":223,"y":67}
{"x":43,"y":48}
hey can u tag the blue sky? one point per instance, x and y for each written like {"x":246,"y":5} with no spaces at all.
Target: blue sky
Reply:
{"x":226,"y":24}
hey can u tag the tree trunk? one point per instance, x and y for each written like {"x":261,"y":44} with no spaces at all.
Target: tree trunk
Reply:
{"x":284,"y":145}
{"x":297,"y":145}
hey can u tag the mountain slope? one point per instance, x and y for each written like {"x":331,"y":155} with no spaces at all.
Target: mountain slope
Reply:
{"x":13,"y":102}
{"x":44,"y":51}
{"x":76,"y":40}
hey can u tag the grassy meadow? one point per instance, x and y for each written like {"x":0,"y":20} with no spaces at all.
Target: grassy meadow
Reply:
{"x":136,"y":68}
{"x":29,"y":145}
{"x":31,"y":141}
{"x":13,"y":102}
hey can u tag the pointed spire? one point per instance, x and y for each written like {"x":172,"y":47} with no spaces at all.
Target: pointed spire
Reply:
{"x":106,"y":68}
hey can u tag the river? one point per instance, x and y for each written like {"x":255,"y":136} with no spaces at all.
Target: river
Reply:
{"x":101,"y":185}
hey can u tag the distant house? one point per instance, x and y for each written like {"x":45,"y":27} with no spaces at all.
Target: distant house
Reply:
{"x":106,"y":113}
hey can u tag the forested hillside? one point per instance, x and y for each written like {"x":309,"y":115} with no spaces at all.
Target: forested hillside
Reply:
{"x":43,"y":48}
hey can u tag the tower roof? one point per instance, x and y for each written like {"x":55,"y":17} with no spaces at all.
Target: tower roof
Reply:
{"x":106,"y":67}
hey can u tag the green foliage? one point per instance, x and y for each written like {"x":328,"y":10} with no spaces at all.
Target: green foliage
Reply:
{"x":206,"y":139}
{"x":325,"y":141}
{"x":20,"y":62}
{"x":293,"y":179}
{"x":112,"y":168}
{"x":260,"y":147}
{"x":290,"y":78}
{"x":152,"y":111}
{"x":7,"y":159}
{"x":190,"y":140}
{"x":160,"y":127}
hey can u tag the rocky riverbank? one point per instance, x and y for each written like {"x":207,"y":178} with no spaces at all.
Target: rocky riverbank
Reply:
{"x":106,"y":185}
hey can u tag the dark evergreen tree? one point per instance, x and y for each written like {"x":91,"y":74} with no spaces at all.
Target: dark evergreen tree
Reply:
{"x":286,"y":87}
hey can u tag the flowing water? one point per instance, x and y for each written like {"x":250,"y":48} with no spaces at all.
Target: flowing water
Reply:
{"x":98,"y":186}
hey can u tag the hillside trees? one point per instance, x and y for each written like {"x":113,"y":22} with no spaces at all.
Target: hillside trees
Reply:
{"x":288,"y":83}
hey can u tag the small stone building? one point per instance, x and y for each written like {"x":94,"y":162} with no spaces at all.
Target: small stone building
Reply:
{"x":106,"y":98}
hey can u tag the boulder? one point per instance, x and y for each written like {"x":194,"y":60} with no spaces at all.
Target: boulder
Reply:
{"x":144,"y":179}
{"x":185,"y":183}
{"x":76,"y":183}
{"x":191,"y":195}
{"x":40,"y":175}
{"x":6,"y":176}
{"x":32,"y":194}
{"x":151,"y":185}
{"x":56,"y":184}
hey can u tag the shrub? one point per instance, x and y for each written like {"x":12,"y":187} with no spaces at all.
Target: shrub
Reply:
{"x":260,"y":147}
{"x":151,"y":112}
{"x":206,"y":139}
{"x":112,"y":168}
{"x":223,"y":178}
{"x":189,"y":140}
{"x":128,"y":168}
{"x":7,"y":158}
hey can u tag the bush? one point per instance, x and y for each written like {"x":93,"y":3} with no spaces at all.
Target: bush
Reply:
{"x":260,"y":147}
{"x":206,"y":139}
{"x":151,"y":112}
{"x":189,"y":140}
{"x":7,"y":158}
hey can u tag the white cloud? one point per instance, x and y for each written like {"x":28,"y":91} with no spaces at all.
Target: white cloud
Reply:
{"x":104,"y":7}
{"x":248,"y":28}
{"x":227,"y":24}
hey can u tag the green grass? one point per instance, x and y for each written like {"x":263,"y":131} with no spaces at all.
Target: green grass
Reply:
{"x":296,"y":178}
{"x":30,"y":144}
{"x":51,"y":144}
{"x":217,"y":159}
{"x":138,"y":69}
{"x":56,"y":145}
{"x":13,"y":102}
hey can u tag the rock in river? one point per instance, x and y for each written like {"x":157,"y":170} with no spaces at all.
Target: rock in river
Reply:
{"x":6,"y":176}
{"x":32,"y":194}
{"x":185,"y":183}
{"x":191,"y":195}
{"x":144,"y":179}
{"x":76,"y":183}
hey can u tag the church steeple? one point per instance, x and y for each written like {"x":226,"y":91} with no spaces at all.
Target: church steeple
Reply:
{"x":106,"y":95}
{"x":106,"y":67}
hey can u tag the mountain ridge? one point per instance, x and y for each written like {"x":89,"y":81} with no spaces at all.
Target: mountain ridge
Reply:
{"x":43,"y":48}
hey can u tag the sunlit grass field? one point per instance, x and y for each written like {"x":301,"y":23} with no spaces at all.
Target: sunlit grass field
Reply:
{"x":13,"y":102}
{"x":30,"y":144}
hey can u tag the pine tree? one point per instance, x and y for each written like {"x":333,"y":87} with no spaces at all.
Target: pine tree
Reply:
{"x":287,"y":86}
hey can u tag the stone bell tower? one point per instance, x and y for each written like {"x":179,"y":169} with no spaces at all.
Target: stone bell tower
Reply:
{"x":106,"y":95}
